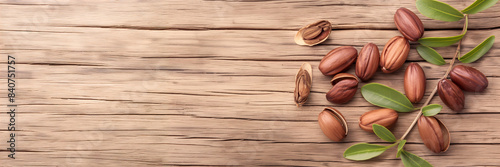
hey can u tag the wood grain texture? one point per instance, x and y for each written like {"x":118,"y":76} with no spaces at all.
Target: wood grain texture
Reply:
{"x":197,"y":83}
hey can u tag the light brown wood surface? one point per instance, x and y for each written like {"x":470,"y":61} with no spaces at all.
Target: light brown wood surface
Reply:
{"x":196,"y":83}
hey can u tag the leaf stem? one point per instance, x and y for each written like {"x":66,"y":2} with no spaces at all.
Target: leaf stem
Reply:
{"x":464,"y":30}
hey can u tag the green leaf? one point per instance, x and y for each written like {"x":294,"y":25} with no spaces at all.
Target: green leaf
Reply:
{"x":444,"y":41}
{"x":411,"y":160}
{"x":479,"y":5}
{"x":478,"y":51}
{"x":400,"y":147}
{"x":440,"y":41}
{"x":364,"y":151}
{"x":438,"y":10}
{"x":384,"y":96}
{"x":383,"y":133}
{"x":431,"y":110}
{"x":430,"y":55}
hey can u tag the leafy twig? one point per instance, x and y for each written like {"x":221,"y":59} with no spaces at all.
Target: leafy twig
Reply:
{"x":444,"y":77}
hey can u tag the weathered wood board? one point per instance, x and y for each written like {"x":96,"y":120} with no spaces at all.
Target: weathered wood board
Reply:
{"x":196,"y":83}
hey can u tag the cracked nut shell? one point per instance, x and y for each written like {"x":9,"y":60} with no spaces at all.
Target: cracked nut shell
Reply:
{"x":314,"y":33}
{"x":344,"y":88}
{"x":434,"y":134}
{"x":303,"y":84}
{"x":333,"y":124}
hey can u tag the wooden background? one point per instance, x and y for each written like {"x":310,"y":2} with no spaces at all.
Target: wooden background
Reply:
{"x":196,"y":83}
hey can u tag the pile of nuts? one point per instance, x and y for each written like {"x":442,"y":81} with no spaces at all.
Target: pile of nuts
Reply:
{"x":344,"y":85}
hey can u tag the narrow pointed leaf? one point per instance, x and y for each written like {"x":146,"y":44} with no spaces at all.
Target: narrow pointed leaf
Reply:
{"x":411,"y":160}
{"x":444,"y":41}
{"x":430,"y":55}
{"x":479,"y":5}
{"x":383,"y":133}
{"x":431,"y":110}
{"x":400,"y":147}
{"x":440,"y":41}
{"x":478,"y":51}
{"x":438,"y":10}
{"x":384,"y":96}
{"x":364,"y":151}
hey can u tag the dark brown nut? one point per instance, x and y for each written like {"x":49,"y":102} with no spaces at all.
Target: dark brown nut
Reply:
{"x":367,"y":62}
{"x":394,"y":54}
{"x":469,"y":78}
{"x":303,"y":84}
{"x":333,"y":124}
{"x":451,"y":95}
{"x":338,"y":60}
{"x":414,"y":82}
{"x":344,"y":88}
{"x":409,"y":24}
{"x":385,"y":117}
{"x":314,"y":33}
{"x":434,"y":134}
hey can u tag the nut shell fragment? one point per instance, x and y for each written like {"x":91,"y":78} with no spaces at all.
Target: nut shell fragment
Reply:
{"x":344,"y":88}
{"x":434,"y":134}
{"x":314,"y":33}
{"x":303,"y":84}
{"x":333,"y":124}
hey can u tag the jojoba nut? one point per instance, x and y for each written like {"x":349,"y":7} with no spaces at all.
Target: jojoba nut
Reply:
{"x":367,"y":62}
{"x":451,"y":95}
{"x":338,"y":60}
{"x":333,"y":124}
{"x":394,"y":54}
{"x":414,"y":82}
{"x":314,"y":33}
{"x":385,"y":117}
{"x":434,"y":134}
{"x":344,"y":88}
{"x":408,"y":24}
{"x":468,"y":78}
{"x":303,"y":84}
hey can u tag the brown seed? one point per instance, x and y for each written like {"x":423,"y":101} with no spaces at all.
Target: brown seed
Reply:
{"x":367,"y":62}
{"x":344,"y":88}
{"x":337,"y":60}
{"x":385,"y":117}
{"x":451,"y":95}
{"x":414,"y":82}
{"x":469,"y":78}
{"x":314,"y":33}
{"x":434,"y":134}
{"x":333,"y":124}
{"x":311,"y":32}
{"x":409,"y":24}
{"x":394,"y":54}
{"x":303,"y":84}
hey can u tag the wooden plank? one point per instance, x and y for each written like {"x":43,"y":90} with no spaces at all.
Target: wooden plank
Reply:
{"x":278,"y":14}
{"x":196,"y":83}
{"x":98,"y":45}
